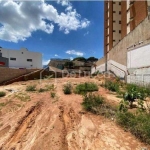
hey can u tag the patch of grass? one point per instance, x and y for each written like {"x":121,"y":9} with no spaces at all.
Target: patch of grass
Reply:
{"x":2,"y":94}
{"x":18,"y":105}
{"x":67,"y":88}
{"x":2,"y":104}
{"x":31,"y":88}
{"x":137,"y":124}
{"x":23,"y":97}
{"x":50,"y":87}
{"x":53,"y":94}
{"x":86,"y":87}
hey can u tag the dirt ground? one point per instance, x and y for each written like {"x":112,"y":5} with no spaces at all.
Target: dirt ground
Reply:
{"x":36,"y":121}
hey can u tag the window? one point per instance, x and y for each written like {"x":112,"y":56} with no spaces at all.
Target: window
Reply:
{"x":119,"y":31}
{"x":119,"y":3}
{"x":12,"y":58}
{"x":119,"y":22}
{"x":22,"y":52}
{"x":114,"y":21}
{"x":30,"y":60}
{"x":119,"y":12}
{"x":114,"y":2}
{"x":114,"y":40}
{"x":114,"y":11}
{"x":114,"y":30}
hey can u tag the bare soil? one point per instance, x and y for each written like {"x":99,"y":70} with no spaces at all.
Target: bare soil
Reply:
{"x":36,"y":121}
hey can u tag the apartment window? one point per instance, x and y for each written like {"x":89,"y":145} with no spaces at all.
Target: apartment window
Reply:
{"x":114,"y":30}
{"x":119,"y":12}
{"x":119,"y":31}
{"x":119,"y":22}
{"x":114,"y":2}
{"x":114,"y":21}
{"x":12,"y":58}
{"x":30,"y":60}
{"x":114,"y":40}
{"x":114,"y":11}
{"x":119,"y":3}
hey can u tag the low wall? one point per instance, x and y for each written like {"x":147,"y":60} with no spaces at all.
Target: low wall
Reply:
{"x":10,"y":73}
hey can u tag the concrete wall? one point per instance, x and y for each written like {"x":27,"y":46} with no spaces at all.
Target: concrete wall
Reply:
{"x":10,"y":73}
{"x":21,"y":57}
{"x":139,"y":57}
{"x":141,"y":33}
{"x":4,"y":62}
{"x":100,"y":65}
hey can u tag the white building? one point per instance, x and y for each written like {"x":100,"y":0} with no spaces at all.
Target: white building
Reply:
{"x":22,"y":58}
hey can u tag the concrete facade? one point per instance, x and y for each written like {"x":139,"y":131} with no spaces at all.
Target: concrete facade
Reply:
{"x":122,"y":17}
{"x":22,"y":58}
{"x":130,"y":57}
{"x":4,"y":62}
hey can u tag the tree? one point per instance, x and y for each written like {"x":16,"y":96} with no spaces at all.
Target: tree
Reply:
{"x":69,"y":64}
{"x":80,"y":59}
{"x":92,"y":59}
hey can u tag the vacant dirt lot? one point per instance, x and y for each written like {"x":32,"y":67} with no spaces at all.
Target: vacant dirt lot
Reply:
{"x":36,"y":121}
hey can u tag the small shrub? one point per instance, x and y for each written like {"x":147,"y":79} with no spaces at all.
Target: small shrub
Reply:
{"x":41,"y":90}
{"x":67,"y":88}
{"x":86,"y":87}
{"x":31,"y":88}
{"x":133,"y":93}
{"x":112,"y":86}
{"x":53,"y":95}
{"x":90,"y":101}
{"x":2,"y":93}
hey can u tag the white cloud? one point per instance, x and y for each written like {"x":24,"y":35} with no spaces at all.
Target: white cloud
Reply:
{"x":73,"y":52}
{"x":63,"y":2}
{"x":71,"y":58}
{"x":45,"y":62}
{"x":86,"y":33}
{"x":56,"y":55}
{"x":20,"y":19}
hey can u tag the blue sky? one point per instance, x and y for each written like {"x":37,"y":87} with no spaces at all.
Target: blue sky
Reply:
{"x":57,"y":29}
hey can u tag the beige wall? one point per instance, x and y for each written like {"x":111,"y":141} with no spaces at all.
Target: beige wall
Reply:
{"x":9,"y":73}
{"x":101,"y":61}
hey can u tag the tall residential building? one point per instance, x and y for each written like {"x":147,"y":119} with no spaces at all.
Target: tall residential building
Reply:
{"x":120,"y":18}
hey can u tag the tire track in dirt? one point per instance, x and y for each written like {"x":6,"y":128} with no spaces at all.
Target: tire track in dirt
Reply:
{"x":64,"y":128}
{"x":24,"y":125}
